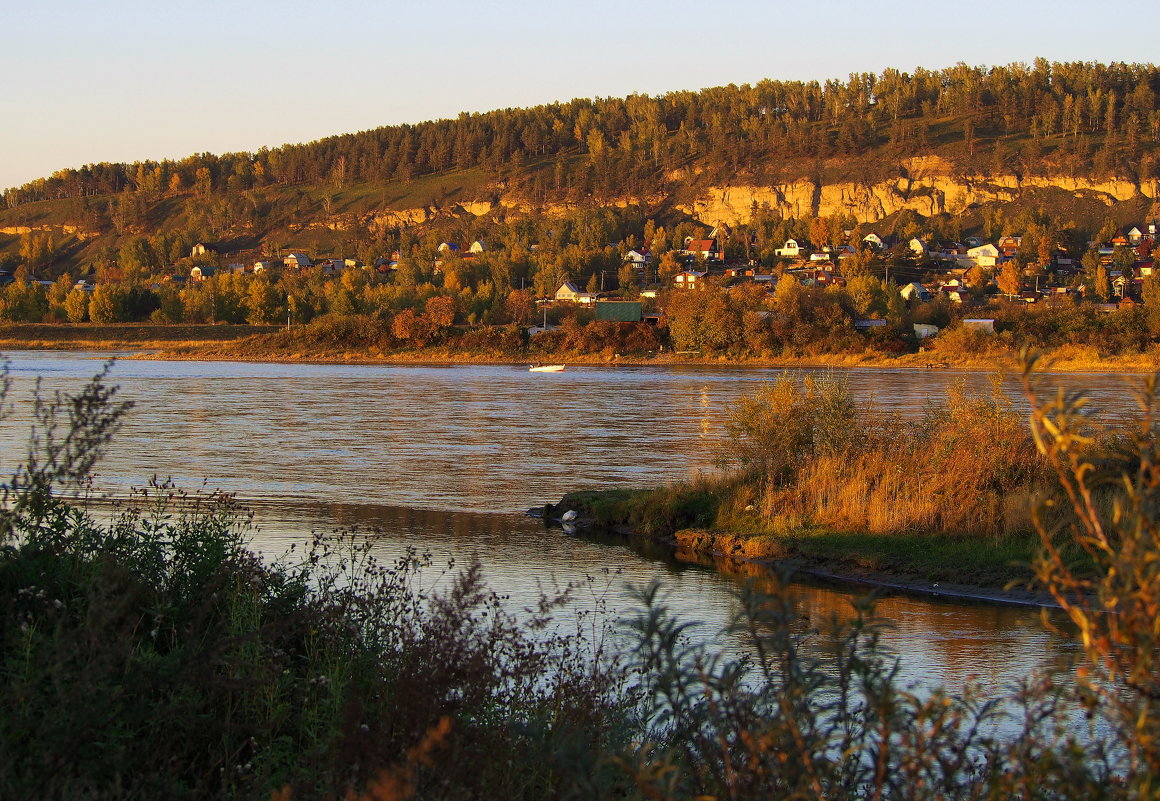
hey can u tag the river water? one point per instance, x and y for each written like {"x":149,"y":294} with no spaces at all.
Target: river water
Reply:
{"x":447,"y":459}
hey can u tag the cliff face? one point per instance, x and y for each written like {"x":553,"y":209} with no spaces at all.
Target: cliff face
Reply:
{"x":927,"y":186}
{"x":927,"y":192}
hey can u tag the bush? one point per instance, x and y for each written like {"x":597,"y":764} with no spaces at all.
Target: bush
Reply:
{"x":157,"y":657}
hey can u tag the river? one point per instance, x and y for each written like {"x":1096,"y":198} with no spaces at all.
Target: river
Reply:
{"x":447,"y":459}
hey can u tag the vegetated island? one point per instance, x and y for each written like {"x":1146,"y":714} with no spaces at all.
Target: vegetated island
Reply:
{"x":857,"y":495}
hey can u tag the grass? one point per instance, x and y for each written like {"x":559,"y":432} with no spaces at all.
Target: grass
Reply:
{"x":813,"y":478}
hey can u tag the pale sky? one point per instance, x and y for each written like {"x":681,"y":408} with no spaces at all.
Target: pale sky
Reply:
{"x":95,"y":81}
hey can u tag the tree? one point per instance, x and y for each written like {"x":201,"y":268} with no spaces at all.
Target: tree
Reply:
{"x":107,"y":304}
{"x":1123,"y":258}
{"x":1010,"y":281}
{"x":76,"y":306}
{"x":1101,"y":285}
{"x":440,"y":311}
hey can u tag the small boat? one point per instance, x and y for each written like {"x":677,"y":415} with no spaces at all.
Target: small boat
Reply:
{"x":546,"y":368}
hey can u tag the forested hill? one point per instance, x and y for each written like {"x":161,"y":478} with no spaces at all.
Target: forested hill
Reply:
{"x":1083,"y":126}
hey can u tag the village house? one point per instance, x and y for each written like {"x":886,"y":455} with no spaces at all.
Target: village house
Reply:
{"x":918,"y":247}
{"x":792,"y":249}
{"x":706,"y":249}
{"x":984,"y":255}
{"x":477,"y":247}
{"x":570,"y":292}
{"x":332,"y":266}
{"x":201,"y":273}
{"x":638,"y":258}
{"x":200,"y":250}
{"x":264,"y":265}
{"x":1009,"y":246}
{"x":915,"y":291}
{"x":689,"y":279}
{"x":297,"y":261}
{"x":874,"y":241}
{"x":448,"y":248}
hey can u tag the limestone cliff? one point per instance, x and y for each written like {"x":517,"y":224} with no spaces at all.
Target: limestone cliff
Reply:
{"x":925,"y":186}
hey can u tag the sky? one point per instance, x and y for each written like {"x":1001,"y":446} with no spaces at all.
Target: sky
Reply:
{"x":89,"y":80}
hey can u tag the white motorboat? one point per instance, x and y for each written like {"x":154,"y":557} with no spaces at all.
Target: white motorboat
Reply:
{"x":546,"y":368}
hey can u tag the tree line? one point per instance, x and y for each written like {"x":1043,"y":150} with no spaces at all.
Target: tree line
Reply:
{"x":1072,"y":117}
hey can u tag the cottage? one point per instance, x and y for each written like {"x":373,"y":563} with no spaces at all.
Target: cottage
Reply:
{"x":1009,"y":246}
{"x":874,"y":241}
{"x":448,"y":248}
{"x":477,"y":247}
{"x":200,"y":250}
{"x":925,"y":330}
{"x":915,"y":291}
{"x":201,"y":273}
{"x":984,"y":255}
{"x":918,"y":247}
{"x":792,"y":250}
{"x":570,"y":292}
{"x":263,"y":265}
{"x":638,"y":258}
{"x":689,"y":279}
{"x":706,"y":249}
{"x":297,"y":261}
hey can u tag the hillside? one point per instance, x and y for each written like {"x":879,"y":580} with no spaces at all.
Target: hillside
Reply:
{"x":1080,"y":139}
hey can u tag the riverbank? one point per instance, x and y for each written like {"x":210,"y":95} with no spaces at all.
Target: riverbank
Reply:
{"x":249,"y":343}
{"x":930,"y":565}
{"x":1063,"y":362}
{"x":122,"y":336}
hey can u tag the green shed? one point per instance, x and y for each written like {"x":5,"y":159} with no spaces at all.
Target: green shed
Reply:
{"x":620,"y":311}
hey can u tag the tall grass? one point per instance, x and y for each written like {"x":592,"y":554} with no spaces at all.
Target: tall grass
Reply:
{"x":812,"y":458}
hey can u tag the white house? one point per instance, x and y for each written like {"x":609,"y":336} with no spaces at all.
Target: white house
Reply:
{"x":983,"y":255}
{"x":477,"y":247}
{"x":873,"y":240}
{"x":638,"y":258}
{"x":918,"y":247}
{"x":570,"y":292}
{"x":914,"y":291}
{"x":297,"y":261}
{"x":792,"y":249}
